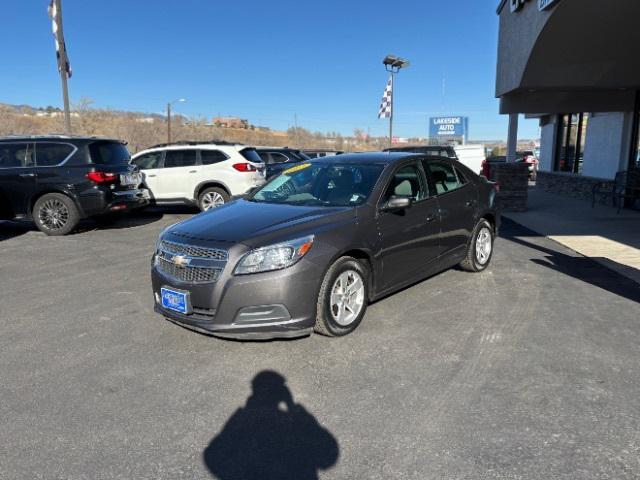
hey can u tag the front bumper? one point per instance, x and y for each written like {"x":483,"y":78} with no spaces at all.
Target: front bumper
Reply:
{"x":280,"y":304}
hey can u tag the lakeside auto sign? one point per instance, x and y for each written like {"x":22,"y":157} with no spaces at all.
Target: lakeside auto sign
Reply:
{"x":517,"y":5}
{"x":448,"y":127}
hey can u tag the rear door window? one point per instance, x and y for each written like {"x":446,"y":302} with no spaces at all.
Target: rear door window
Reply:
{"x":16,"y":155}
{"x":109,"y":153}
{"x":149,"y":160}
{"x":52,"y":154}
{"x":443,"y":176}
{"x":210,"y":157}
{"x":179,"y":158}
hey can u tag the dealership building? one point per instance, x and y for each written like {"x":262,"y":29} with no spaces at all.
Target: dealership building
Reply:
{"x":575,"y":66}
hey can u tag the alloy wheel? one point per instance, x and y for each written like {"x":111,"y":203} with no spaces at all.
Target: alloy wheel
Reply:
{"x":347,"y":297}
{"x":212,"y":200}
{"x":484,"y":245}
{"x":53,"y":214}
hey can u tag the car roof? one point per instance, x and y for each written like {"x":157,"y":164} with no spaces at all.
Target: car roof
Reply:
{"x":57,"y":138}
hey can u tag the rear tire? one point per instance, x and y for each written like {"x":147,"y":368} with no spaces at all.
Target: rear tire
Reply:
{"x":55,"y":214}
{"x":343,"y":297}
{"x":211,"y":198}
{"x":480,"y":248}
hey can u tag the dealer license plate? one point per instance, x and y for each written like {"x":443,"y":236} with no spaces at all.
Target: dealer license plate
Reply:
{"x":176,"y":301}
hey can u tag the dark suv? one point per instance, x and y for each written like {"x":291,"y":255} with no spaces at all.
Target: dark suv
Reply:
{"x":58,"y":180}
{"x":278,"y":159}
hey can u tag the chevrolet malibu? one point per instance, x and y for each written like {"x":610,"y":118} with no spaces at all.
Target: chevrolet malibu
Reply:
{"x":313,"y":247}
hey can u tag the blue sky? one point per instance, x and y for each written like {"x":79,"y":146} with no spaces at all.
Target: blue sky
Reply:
{"x":265,"y":60}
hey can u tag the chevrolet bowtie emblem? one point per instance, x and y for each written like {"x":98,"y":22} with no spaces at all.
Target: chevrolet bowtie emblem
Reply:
{"x":180,"y":261}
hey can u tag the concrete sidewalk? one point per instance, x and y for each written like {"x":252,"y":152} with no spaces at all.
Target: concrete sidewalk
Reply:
{"x":599,"y":233}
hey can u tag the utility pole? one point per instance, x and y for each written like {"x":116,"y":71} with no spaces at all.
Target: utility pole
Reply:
{"x":55,"y":12}
{"x":169,"y":122}
{"x":181,"y":100}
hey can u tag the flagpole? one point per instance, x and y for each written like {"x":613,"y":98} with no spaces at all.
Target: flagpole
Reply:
{"x":62,"y":68}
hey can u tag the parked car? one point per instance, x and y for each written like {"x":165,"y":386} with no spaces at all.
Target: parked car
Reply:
{"x":205,"y":174}
{"x":319,"y":153}
{"x":58,"y":180}
{"x":311,"y":248}
{"x":472,"y":156}
{"x":433,"y":150}
{"x":486,"y":165}
{"x":277,"y":159}
{"x":531,"y":160}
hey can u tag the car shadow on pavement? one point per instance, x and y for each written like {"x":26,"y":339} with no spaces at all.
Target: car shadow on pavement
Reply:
{"x":271,"y":437}
{"x":9,"y":230}
{"x":576,"y":266}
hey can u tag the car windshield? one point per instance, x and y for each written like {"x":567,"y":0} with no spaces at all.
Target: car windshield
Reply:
{"x":323,"y":184}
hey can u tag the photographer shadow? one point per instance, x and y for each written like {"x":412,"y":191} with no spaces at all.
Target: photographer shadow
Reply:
{"x":271,"y":437}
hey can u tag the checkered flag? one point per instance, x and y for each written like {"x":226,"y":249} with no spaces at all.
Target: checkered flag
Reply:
{"x":387,"y":100}
{"x":56,"y":26}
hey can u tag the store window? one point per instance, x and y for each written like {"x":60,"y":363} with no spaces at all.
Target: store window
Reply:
{"x":572,"y":135}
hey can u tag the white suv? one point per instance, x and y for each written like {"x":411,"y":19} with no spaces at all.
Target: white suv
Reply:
{"x":206,"y":174}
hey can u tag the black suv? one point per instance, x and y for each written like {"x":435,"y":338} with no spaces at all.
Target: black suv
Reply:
{"x":278,"y":159}
{"x":58,"y":180}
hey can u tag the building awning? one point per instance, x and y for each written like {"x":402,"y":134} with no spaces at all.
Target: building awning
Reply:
{"x":584,"y":58}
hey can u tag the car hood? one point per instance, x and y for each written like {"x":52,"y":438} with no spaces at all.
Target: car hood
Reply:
{"x":247,"y":222}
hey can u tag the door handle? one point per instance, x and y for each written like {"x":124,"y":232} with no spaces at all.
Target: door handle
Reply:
{"x":150,"y":176}
{"x":193,"y":171}
{"x":27,"y":175}
{"x":470,"y":203}
{"x":431,"y":217}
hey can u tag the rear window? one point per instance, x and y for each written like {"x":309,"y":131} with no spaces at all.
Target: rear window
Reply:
{"x":109,"y":153}
{"x":251,"y":155}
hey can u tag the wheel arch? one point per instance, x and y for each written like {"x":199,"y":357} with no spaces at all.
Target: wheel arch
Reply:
{"x":363,"y":256}
{"x":41,"y":193}
{"x":207,"y":184}
{"x":491,"y":218}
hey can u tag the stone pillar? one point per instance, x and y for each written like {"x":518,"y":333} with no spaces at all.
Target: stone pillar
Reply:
{"x":513,"y":179}
{"x":512,"y":140}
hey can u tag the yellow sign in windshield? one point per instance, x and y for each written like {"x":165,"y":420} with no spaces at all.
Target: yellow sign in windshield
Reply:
{"x":297,"y":168}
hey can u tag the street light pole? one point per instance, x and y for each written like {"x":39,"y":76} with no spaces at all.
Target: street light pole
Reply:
{"x":181,"y":100}
{"x":393,"y":65}
{"x":391,"y":114}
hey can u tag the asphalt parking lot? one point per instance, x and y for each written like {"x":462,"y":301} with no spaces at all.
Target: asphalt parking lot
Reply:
{"x":529,"y":370}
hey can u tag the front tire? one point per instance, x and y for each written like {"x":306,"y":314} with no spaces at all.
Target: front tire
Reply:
{"x":211,"y":198}
{"x":55,"y":214}
{"x":480,"y":249}
{"x":343,"y":297}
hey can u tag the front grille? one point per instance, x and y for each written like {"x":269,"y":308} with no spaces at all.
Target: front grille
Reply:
{"x":188,"y":274}
{"x":192,"y":251}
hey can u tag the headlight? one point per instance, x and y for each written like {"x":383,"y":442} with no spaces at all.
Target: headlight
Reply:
{"x":274,"y":257}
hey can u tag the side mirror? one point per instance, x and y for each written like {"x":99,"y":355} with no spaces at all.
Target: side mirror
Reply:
{"x":395,"y":204}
